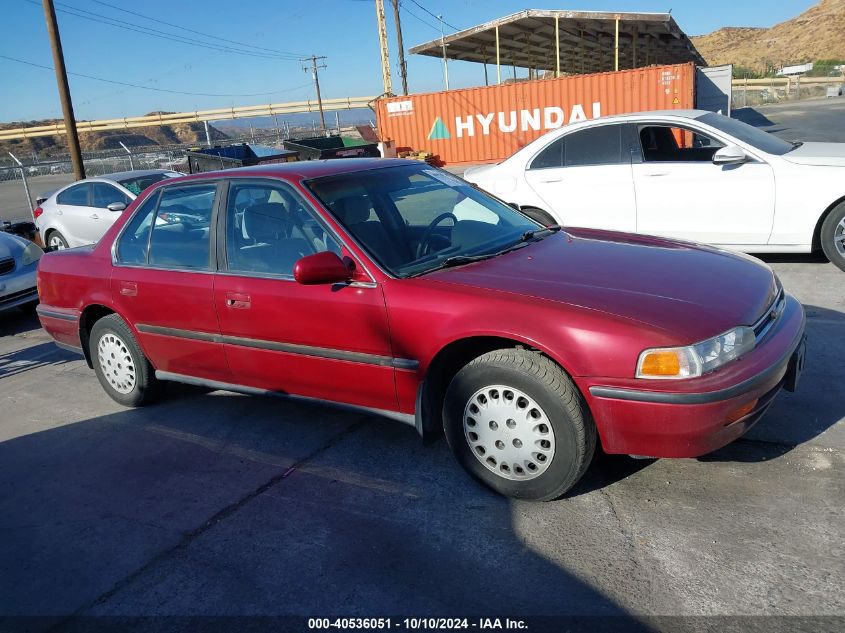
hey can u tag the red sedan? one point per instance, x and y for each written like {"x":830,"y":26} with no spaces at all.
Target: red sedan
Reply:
{"x":394,"y":287}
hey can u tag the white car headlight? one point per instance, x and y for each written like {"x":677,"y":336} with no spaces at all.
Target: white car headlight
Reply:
{"x":694,"y":360}
{"x":31,"y":254}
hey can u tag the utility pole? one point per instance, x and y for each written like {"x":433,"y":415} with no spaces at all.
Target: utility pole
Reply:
{"x":382,"y":43}
{"x":64,"y":90}
{"x":403,"y":68}
{"x":443,"y":46}
{"x":313,"y":68}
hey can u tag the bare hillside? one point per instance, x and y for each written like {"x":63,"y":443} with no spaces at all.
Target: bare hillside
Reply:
{"x":818,"y":33}
{"x":46,"y":146}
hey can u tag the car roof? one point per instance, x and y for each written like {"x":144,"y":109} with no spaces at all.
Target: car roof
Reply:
{"x":135,"y":173}
{"x":646,"y":114}
{"x":306,"y":170}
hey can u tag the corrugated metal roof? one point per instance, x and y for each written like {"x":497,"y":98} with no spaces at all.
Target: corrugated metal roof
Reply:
{"x":527,"y":40}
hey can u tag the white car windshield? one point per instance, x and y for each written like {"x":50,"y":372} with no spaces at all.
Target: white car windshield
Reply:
{"x":763,"y":141}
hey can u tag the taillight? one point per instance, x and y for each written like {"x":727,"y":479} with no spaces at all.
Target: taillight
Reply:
{"x":37,"y":213}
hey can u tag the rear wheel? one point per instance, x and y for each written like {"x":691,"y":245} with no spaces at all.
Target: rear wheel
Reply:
{"x":833,"y":236}
{"x":517,"y":423}
{"x":121,"y":367}
{"x":56,"y":241}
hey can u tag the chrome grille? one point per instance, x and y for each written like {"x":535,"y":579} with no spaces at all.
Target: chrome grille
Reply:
{"x":770,"y":316}
{"x":7,"y":265}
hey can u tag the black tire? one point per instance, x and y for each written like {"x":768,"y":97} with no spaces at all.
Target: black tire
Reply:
{"x":833,"y":232}
{"x":54,"y":235}
{"x":538,"y":215}
{"x":145,"y":387}
{"x":548,"y":385}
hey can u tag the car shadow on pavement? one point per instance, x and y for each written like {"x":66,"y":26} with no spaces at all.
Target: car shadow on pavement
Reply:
{"x":751,"y":116}
{"x":817,"y":257}
{"x":29,"y":358}
{"x":15,"y":321}
{"x":217,"y":504}
{"x":817,"y":405}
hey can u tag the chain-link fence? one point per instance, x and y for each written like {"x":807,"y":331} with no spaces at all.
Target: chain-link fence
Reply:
{"x":755,"y":92}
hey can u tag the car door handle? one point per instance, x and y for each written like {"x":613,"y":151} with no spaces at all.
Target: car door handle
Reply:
{"x":655,"y":174}
{"x":550,"y":180}
{"x":94,"y":216}
{"x":237,"y":300}
{"x":129,"y":288}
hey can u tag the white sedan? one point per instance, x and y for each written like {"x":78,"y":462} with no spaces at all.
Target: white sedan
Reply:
{"x":82,"y":212}
{"x":688,"y":174}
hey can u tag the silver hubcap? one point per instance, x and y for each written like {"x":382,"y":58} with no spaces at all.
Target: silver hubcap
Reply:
{"x":116,"y":363}
{"x":509,"y":433}
{"x":839,"y":237}
{"x":56,"y":242}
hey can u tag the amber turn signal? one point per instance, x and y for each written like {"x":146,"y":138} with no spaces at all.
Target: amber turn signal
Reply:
{"x":660,"y":363}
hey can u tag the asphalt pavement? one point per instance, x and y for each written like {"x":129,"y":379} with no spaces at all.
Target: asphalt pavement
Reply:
{"x":216,"y":504}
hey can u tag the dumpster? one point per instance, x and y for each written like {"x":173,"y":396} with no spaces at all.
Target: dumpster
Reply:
{"x":332,"y":147}
{"x":241,"y":155}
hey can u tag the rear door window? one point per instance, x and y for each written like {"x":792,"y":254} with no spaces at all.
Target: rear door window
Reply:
{"x":76,"y":196}
{"x":601,"y":145}
{"x":181,"y":232}
{"x":135,"y":239}
{"x":551,"y":156}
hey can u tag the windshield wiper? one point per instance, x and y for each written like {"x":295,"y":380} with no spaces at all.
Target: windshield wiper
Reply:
{"x":460,"y":260}
{"x":546,"y":230}
{"x":796,"y":144}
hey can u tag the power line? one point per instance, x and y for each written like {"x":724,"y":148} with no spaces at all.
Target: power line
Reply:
{"x":189,"y":30}
{"x":418,"y":18}
{"x":178,"y":92}
{"x":95,"y":17}
{"x":436,"y":17}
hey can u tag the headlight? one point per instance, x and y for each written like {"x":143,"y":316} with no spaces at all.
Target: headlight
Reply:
{"x":31,"y":254}
{"x":698,"y":359}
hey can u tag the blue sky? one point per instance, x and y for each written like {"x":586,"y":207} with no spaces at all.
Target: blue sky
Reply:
{"x":342,"y":30}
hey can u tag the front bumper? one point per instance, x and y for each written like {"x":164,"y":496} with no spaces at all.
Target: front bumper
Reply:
{"x":692,"y":417}
{"x":18,"y":288}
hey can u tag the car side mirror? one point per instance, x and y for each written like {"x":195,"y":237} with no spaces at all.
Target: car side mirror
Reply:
{"x":729,"y":155}
{"x":116,"y":206}
{"x":325,"y":267}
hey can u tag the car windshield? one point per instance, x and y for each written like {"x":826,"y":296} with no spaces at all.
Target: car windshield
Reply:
{"x":414,"y":219}
{"x":137,"y":184}
{"x":755,"y":137}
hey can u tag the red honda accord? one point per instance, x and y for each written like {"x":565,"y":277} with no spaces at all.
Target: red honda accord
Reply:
{"x":397,"y":288}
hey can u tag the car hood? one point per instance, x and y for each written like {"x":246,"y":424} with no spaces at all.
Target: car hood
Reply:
{"x":830,"y":154}
{"x":11,"y":245}
{"x":688,"y":290}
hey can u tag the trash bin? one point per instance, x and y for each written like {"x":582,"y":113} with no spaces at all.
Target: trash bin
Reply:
{"x":333,"y":147}
{"x":242,"y":155}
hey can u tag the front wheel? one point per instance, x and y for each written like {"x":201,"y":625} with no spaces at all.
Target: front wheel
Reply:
{"x":833,"y":236}
{"x":122,"y":369}
{"x":517,"y":423}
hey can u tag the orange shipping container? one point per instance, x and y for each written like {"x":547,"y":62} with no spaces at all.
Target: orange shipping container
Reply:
{"x":488,"y":124}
